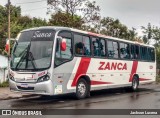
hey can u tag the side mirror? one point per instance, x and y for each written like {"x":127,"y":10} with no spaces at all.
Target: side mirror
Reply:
{"x":9,"y":42}
{"x":63,"y":45}
{"x":7,"y":46}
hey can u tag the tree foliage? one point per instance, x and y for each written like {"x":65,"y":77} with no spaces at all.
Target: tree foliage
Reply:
{"x":153,"y":32}
{"x":113,"y":27}
{"x":66,"y":20}
{"x":18,"y":23}
{"x":88,"y":11}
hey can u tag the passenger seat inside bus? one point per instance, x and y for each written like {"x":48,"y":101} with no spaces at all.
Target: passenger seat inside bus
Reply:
{"x":81,"y":49}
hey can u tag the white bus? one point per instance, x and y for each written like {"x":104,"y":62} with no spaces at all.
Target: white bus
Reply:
{"x":60,"y":60}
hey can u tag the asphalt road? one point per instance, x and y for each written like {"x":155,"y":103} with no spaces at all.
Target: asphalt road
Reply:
{"x":147,"y":97}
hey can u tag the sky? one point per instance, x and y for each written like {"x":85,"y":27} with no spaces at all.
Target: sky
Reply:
{"x":133,"y":13}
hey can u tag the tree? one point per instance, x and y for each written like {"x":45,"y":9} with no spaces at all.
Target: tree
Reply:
{"x":156,"y":35}
{"x":133,"y":35}
{"x":66,"y":20}
{"x":145,"y":39}
{"x":153,"y":32}
{"x":147,"y":31}
{"x":88,"y":11}
{"x":113,"y":27}
{"x":18,"y":23}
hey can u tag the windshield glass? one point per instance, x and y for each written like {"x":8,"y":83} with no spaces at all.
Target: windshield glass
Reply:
{"x":33,"y":51}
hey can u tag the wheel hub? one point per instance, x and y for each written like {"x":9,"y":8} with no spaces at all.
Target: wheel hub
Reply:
{"x":81,"y":88}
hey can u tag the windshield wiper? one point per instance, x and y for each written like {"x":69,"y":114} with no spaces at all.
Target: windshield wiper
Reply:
{"x":23,"y":56}
{"x":26,"y":55}
{"x":32,"y":60}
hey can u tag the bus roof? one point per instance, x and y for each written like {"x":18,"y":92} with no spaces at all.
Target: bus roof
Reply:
{"x":57,"y":28}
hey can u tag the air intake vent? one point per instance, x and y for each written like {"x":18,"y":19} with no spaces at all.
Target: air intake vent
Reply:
{"x":23,"y":88}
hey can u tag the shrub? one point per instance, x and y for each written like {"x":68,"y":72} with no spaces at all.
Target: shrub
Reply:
{"x":4,"y":84}
{"x":158,"y":79}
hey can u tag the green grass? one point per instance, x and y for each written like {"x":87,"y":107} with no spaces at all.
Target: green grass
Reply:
{"x":4,"y":84}
{"x":158,"y":79}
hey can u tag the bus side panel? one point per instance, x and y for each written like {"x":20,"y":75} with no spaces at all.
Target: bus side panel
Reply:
{"x":103,"y":73}
{"x":63,"y":76}
{"x":146,"y":72}
{"x":107,"y":73}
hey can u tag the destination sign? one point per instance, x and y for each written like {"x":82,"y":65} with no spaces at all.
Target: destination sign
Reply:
{"x":40,"y":34}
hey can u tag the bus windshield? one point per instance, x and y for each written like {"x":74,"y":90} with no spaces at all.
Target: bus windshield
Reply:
{"x":33,"y":50}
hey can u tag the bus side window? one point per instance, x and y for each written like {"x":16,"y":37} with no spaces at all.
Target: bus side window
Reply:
{"x":98,"y":46}
{"x":116,"y":50}
{"x":151,"y":54}
{"x":63,"y":56}
{"x":112,"y":48}
{"x":124,"y":51}
{"x":137,"y":52}
{"x":102,"y":48}
{"x":132,"y":52}
{"x":82,"y":45}
{"x":143,"y":53}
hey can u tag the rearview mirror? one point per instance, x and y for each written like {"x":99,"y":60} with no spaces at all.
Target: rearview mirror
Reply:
{"x":7,"y":46}
{"x":9,"y":42}
{"x":63,"y":45}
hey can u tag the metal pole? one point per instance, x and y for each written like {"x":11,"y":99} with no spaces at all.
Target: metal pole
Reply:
{"x":9,"y":36}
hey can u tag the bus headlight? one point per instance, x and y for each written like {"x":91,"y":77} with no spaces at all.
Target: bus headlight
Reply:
{"x":43,"y":78}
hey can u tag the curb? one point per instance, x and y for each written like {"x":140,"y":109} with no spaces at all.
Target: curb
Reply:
{"x":17,"y":96}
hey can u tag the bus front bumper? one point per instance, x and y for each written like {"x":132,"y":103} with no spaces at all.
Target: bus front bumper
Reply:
{"x":42,"y":88}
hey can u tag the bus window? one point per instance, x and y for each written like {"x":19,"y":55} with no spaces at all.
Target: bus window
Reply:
{"x":124,"y":51}
{"x":102,"y":48}
{"x":112,"y":49}
{"x":132,"y":52}
{"x":64,"y":56}
{"x":151,"y":54}
{"x":82,"y":45}
{"x":136,"y":52}
{"x":143,"y":53}
{"x":87,"y":50}
{"x":98,"y":46}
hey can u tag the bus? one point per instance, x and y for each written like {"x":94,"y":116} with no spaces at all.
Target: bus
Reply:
{"x":59,"y":60}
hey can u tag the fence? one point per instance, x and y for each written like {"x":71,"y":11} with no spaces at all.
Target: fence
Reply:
{"x":3,"y":68}
{"x":3,"y":75}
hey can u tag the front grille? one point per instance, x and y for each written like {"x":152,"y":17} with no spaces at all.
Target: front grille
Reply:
{"x":27,"y":88}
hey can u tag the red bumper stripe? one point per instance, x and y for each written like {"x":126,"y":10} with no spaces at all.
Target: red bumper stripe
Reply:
{"x":143,"y":79}
{"x":98,"y":83}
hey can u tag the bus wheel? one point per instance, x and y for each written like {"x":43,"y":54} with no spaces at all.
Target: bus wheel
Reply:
{"x":135,"y":83}
{"x":82,"y":89}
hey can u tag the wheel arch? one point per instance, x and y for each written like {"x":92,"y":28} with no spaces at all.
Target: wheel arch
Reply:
{"x":87,"y":78}
{"x":136,"y":75}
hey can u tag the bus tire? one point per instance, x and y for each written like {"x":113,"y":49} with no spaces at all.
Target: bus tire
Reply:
{"x":135,"y":83}
{"x":82,"y":89}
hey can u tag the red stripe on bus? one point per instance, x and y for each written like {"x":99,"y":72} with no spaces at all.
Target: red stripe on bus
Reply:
{"x":134,"y":70}
{"x":143,"y":79}
{"x":98,"y":82}
{"x":93,"y":34}
{"x":82,"y":69}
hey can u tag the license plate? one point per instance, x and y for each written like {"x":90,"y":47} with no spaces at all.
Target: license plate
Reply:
{"x":24,"y":85}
